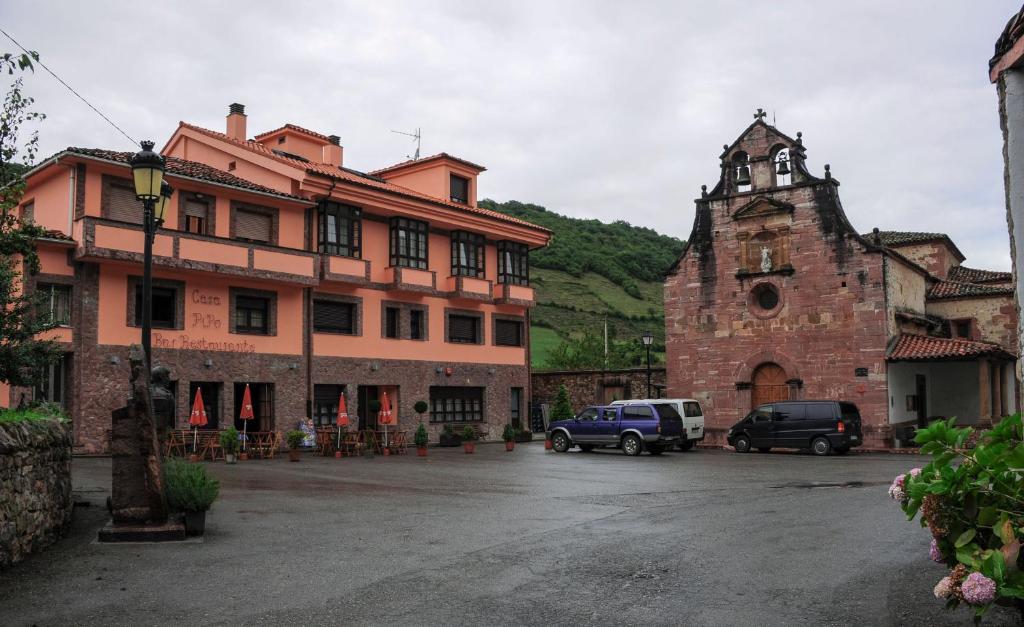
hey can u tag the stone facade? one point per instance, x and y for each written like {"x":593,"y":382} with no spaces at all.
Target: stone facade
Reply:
{"x":778,"y":297}
{"x":35,"y":486}
{"x":594,"y":387}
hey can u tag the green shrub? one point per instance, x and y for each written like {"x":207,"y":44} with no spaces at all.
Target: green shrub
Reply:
{"x":295,"y":438}
{"x":972,"y":502}
{"x":35,"y":413}
{"x":421,"y":408}
{"x":468,"y":434}
{"x":562,"y":409}
{"x":229,"y":440}
{"x":421,"y":438}
{"x":189,"y":488}
{"x":509,"y":434}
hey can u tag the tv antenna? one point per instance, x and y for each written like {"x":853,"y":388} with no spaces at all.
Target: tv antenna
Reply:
{"x":415,"y":135}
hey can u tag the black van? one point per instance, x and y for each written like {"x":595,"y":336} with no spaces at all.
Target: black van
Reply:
{"x":822,"y":426}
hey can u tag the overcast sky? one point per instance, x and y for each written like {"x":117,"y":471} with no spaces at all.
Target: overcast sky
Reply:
{"x":611,"y":110}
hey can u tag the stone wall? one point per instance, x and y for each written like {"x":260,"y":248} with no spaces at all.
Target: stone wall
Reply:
{"x":35,"y":486}
{"x":593,"y":387}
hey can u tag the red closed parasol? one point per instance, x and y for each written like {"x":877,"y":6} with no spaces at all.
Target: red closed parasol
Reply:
{"x":342,"y":416}
{"x":246,"y":414}
{"x":384,"y":415}
{"x":198,"y":417}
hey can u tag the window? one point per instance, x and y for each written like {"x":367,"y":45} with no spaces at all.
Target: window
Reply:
{"x":962,"y":328}
{"x":459,"y":189}
{"x":340,"y":229}
{"x":325,"y":404}
{"x":463,"y":329}
{"x":587,"y":414}
{"x":416,"y":330}
{"x":763,"y":413}
{"x":253,"y":225}
{"x":667,"y":411}
{"x":821,"y":411}
{"x":334,"y":317}
{"x":637,"y":412}
{"x":55,"y":303}
{"x":609,"y":414}
{"x":766,"y":297}
{"x":51,"y":387}
{"x":164,"y":307}
{"x":391,"y":317}
{"x":508,"y":332}
{"x":251,"y":314}
{"x":196,"y":214}
{"x":456,"y":404}
{"x":408,"y":243}
{"x":467,"y":254}
{"x":512,"y":263}
{"x":515,"y":409}
{"x":691,"y":409}
{"x":120,"y":203}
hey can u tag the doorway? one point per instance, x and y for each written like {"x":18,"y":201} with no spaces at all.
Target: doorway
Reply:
{"x":262,"y":407}
{"x":921,"y":387}
{"x":211,"y":401}
{"x":367,"y":418}
{"x":768,"y":385}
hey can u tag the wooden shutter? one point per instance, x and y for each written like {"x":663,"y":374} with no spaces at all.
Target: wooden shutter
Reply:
{"x":462,"y":329}
{"x":122,"y":204}
{"x":196,"y":209}
{"x":333,"y":317}
{"x":253,"y":225}
{"x":508,"y":333}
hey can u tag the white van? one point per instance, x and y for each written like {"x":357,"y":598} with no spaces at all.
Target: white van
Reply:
{"x":688,"y":408}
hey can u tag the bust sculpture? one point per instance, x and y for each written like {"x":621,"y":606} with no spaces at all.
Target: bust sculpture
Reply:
{"x":163,"y":399}
{"x":766,"y":259}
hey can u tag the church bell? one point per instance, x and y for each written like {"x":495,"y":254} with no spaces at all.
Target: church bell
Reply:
{"x":783,"y":166}
{"x":744,"y":176}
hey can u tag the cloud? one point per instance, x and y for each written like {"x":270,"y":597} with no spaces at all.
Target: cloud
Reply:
{"x":595,"y":109}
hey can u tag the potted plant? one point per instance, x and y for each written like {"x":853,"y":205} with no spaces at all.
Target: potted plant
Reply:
{"x":468,"y":435}
{"x":295,"y":439}
{"x":190,"y":491}
{"x":509,"y":435}
{"x":448,"y":437}
{"x":421,"y":439}
{"x":229,"y":443}
{"x":421,"y":408}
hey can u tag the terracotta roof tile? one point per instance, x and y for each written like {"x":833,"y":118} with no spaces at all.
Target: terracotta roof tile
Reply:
{"x":358,"y":178}
{"x":440,"y":155}
{"x":905,"y":238}
{"x":925,"y":348}
{"x":972,"y":275}
{"x":295,"y":127}
{"x":182,"y":167}
{"x":957,"y":289}
{"x":60,"y":235}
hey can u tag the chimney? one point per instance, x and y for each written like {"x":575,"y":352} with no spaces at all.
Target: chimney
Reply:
{"x":333,"y":151}
{"x":236,"y":121}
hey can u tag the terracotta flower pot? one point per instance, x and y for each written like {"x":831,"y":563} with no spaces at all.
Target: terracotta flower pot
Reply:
{"x":230,"y":458}
{"x":510,"y":446}
{"x":337,"y":454}
{"x":547,"y":445}
{"x":294,"y":454}
{"x":387,"y":451}
{"x":469,"y":447}
{"x":421,"y":451}
{"x":193,"y":458}
{"x":243,"y":457}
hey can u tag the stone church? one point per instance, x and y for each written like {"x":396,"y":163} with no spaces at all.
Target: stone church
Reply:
{"x":777,"y":296}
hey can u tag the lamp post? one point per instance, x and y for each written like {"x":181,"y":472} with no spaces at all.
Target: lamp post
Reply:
{"x":648,"y":338}
{"x":154,"y":192}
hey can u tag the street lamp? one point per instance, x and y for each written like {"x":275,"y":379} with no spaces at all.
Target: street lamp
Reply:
{"x":150,"y":188}
{"x":648,"y":338}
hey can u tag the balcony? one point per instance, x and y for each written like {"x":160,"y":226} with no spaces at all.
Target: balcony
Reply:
{"x":507,"y":294}
{"x":104,"y":239}
{"x":469,"y":288}
{"x":410,"y":279}
{"x":345,"y":269}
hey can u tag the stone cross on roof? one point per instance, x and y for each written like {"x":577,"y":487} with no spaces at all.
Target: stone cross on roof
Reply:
{"x":760,"y":114}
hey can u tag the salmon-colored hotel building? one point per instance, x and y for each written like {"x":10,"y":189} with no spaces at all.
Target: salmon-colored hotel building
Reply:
{"x":279,"y":267}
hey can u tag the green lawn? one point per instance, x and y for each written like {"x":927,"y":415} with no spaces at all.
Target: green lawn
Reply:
{"x":595,"y":293}
{"x":542,"y":342}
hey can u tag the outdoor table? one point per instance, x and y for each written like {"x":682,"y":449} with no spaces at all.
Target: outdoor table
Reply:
{"x":393,"y":438}
{"x":326,"y":441}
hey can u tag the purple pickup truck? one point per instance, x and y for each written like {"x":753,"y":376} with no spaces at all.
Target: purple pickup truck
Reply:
{"x":653,"y":427}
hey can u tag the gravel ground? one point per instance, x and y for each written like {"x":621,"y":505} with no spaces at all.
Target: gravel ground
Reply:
{"x":526,"y":538}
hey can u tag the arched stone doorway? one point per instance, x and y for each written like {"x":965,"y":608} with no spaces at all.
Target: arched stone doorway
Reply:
{"x":768,"y":385}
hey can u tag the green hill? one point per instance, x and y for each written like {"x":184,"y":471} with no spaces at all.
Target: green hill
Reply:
{"x":591,"y":273}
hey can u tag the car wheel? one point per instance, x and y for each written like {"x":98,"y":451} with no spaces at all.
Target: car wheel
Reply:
{"x":560,"y":442}
{"x":821,"y":446}
{"x":631,"y":445}
{"x":764,"y":449}
{"x":586,"y":448}
{"x":841,"y":451}
{"x":686,"y":445}
{"x":655,"y":449}
{"x":741,"y":444}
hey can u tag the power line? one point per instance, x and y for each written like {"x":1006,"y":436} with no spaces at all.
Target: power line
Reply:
{"x":61,"y":81}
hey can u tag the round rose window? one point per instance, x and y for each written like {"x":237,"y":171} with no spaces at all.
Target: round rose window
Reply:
{"x":767,"y":297}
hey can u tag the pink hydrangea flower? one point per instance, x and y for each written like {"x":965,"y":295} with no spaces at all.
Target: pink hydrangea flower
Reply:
{"x":934,"y":552}
{"x":978,"y":589}
{"x":896,"y":491}
{"x":944,"y":588}
{"x":915,"y":472}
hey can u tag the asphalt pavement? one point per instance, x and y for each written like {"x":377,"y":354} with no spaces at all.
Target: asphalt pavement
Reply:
{"x":530,"y":537}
